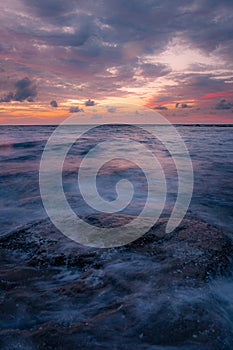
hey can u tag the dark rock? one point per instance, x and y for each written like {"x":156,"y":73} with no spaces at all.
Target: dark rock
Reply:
{"x":58,"y":294}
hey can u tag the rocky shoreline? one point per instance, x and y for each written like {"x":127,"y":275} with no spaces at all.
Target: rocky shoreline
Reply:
{"x":151,"y":294}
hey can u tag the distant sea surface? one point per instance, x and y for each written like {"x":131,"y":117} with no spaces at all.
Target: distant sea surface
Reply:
{"x":21,"y":147}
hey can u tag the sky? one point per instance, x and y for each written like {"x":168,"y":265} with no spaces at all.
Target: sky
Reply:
{"x":64,"y":57}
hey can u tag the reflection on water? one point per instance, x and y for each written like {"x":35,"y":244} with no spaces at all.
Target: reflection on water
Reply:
{"x":210,"y":149}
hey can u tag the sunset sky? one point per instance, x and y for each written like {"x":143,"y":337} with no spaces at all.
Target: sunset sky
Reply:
{"x":60,"y":57}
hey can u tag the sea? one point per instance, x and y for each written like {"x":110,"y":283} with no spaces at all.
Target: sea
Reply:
{"x":121,"y":298}
{"x":210,"y":148}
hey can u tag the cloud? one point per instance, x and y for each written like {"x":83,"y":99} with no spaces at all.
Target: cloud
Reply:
{"x":223,"y":104}
{"x":163,"y":98}
{"x":112,"y":109}
{"x":8,"y":98}
{"x":49,"y":8}
{"x":76,"y":109}
{"x":89,"y":103}
{"x":112,"y":47}
{"x":185,"y":105}
{"x":116,"y":31}
{"x":150,"y":70}
{"x":53,"y":104}
{"x":199,"y":89}
{"x":25,"y":90}
{"x":161,"y":108}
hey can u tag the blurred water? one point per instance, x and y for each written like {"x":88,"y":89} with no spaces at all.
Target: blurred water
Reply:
{"x":133,"y":288}
{"x":210,"y":147}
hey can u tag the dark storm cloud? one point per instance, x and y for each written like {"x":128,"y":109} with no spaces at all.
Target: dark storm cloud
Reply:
{"x":148,"y":24}
{"x":84,"y":38}
{"x":206,"y":23}
{"x":25,"y":90}
{"x":209,"y":27}
{"x":119,"y":29}
{"x":76,"y":109}
{"x":223,"y":104}
{"x":89,"y":103}
{"x":84,"y":27}
{"x":50,"y":8}
{"x":53,"y":104}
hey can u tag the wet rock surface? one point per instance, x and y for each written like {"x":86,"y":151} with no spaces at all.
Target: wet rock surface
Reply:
{"x":155,"y":293}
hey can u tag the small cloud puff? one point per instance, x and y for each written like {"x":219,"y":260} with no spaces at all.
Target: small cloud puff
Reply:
{"x":183,"y":105}
{"x":223,"y":104}
{"x":54,"y":104}
{"x":89,"y":103}
{"x":112,"y":109}
{"x":76,"y":109}
{"x":161,"y":108}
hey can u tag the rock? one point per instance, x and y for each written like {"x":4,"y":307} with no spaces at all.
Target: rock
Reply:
{"x":154,"y":291}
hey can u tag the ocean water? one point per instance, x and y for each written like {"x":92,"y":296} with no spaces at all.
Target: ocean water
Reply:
{"x":211,"y":152}
{"x":156,"y":295}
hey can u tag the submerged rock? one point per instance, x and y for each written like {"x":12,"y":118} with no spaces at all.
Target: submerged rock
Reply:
{"x":151,"y":294}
